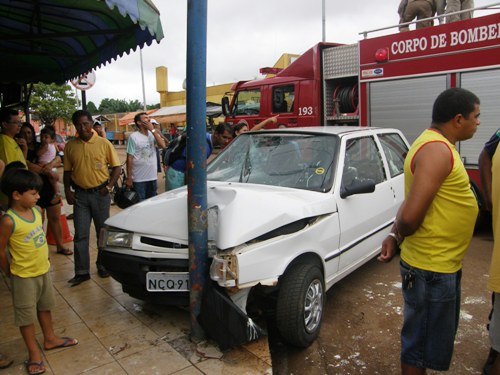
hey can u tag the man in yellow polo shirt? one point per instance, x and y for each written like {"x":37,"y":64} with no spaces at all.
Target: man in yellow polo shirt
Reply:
{"x":11,"y":149}
{"x":434,"y":227}
{"x":87,"y":184}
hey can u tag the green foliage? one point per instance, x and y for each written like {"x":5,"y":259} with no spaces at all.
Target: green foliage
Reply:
{"x":51,"y":101}
{"x":153,"y":106}
{"x":119,"y":105}
{"x":92,"y":108}
{"x":135,"y":105}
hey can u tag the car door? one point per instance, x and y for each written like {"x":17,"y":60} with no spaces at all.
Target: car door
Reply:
{"x":365,"y":219}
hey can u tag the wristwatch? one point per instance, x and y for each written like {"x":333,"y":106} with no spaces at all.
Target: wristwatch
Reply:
{"x":110,"y":189}
{"x":153,"y":130}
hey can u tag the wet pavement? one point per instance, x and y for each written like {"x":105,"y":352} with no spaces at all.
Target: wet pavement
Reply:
{"x":363,"y":316}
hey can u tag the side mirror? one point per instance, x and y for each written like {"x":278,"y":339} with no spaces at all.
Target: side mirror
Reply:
{"x":357,"y":187}
{"x":225,"y":106}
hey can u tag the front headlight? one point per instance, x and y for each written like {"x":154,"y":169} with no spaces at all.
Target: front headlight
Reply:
{"x":118,"y":239}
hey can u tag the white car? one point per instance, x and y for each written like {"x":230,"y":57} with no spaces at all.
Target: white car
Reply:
{"x":290,"y":213}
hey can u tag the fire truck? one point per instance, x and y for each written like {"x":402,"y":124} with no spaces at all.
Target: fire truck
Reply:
{"x":386,"y":81}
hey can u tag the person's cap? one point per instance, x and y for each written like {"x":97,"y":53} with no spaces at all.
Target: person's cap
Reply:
{"x":154,"y":122}
{"x":97,"y":122}
{"x":243,"y":122}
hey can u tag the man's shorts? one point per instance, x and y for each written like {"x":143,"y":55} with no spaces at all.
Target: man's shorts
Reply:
{"x":431,"y":315}
{"x":495,"y":324}
{"x":30,"y":295}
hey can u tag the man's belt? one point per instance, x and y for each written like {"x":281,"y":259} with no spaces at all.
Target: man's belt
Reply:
{"x":92,"y":190}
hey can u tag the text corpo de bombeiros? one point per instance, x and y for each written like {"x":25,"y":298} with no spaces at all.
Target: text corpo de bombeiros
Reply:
{"x":445,"y":40}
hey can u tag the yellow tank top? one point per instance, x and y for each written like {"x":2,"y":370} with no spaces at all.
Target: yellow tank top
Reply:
{"x":27,"y":246}
{"x":494,"y":279}
{"x":439,"y":244}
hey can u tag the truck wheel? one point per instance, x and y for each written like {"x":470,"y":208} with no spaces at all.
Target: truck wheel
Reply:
{"x":299,"y":308}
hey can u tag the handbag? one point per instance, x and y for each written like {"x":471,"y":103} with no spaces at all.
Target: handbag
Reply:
{"x":123,"y":196}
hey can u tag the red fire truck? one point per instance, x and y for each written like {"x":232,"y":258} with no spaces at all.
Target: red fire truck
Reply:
{"x":388,"y":81}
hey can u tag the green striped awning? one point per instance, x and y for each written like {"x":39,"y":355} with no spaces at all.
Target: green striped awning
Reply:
{"x":56,"y":40}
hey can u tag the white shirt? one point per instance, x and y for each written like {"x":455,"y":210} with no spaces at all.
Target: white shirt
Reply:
{"x":142,"y":148}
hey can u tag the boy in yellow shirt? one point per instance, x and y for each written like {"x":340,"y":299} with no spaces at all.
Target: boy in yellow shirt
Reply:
{"x":21,"y":230}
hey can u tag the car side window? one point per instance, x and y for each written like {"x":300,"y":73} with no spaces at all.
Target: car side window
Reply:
{"x":395,"y":151}
{"x":362,"y":162}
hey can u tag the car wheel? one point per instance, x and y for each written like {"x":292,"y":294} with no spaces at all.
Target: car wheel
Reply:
{"x":300,"y":304}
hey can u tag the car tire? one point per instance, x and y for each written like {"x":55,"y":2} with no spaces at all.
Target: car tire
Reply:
{"x":299,"y":308}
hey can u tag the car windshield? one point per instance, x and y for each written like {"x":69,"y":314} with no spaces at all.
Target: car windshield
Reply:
{"x":294,"y":160}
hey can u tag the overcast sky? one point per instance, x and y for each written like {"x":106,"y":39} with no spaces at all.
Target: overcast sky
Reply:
{"x":242,"y":37}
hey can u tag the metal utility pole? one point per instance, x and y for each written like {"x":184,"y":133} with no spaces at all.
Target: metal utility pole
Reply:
{"x":143,"y":86}
{"x":323,"y":39}
{"x":196,"y":156}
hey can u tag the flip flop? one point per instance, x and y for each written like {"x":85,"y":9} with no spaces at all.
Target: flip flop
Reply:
{"x":5,"y":362}
{"x":40,"y":367}
{"x":64,"y":251}
{"x":68,"y":342}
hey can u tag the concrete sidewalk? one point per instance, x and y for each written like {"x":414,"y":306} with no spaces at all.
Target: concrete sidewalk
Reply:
{"x":119,"y":334}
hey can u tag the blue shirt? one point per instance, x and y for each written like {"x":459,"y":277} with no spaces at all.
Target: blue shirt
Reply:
{"x":180,"y":164}
{"x":492,"y":144}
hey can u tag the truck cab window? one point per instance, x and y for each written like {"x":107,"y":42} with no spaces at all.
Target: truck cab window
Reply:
{"x":247,"y":103}
{"x":283,"y":97}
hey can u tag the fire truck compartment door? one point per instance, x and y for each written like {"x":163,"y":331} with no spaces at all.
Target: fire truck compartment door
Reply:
{"x":486,"y":85}
{"x":404,"y":104}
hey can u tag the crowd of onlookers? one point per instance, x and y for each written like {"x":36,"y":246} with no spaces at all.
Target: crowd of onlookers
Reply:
{"x":30,"y":190}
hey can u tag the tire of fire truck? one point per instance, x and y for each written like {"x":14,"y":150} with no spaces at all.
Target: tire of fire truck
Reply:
{"x":483,"y":216}
{"x":300,"y":304}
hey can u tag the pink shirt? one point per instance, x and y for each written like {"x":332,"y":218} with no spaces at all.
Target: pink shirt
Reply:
{"x":48,"y":155}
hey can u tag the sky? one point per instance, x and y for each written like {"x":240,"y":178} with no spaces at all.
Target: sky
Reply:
{"x":242,"y":37}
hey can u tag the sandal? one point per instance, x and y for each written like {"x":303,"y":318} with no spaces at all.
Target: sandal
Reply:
{"x":34,"y":368}
{"x":64,"y":251}
{"x":68,"y":342}
{"x":5,"y":362}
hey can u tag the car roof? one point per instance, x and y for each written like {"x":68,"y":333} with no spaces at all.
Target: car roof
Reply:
{"x":333,"y":130}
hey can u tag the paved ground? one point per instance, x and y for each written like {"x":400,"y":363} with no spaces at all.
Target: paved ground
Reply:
{"x":363,"y":317}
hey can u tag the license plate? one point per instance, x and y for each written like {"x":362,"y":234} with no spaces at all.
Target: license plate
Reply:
{"x":167,"y":281}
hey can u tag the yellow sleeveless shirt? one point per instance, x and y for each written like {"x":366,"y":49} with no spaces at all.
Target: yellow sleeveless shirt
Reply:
{"x":439,"y":244}
{"x":27,"y":246}
{"x":494,"y":279}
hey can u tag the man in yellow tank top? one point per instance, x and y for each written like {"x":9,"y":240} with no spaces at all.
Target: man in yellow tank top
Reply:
{"x":491,"y":180}
{"x":434,"y":227}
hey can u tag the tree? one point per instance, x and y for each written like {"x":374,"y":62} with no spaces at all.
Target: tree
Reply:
{"x":51,"y":101}
{"x":92,"y":108}
{"x":134,"y":105}
{"x":153,"y":106}
{"x":113,"y":106}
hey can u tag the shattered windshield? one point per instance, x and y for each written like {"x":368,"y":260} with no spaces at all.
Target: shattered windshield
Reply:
{"x":295,"y":160}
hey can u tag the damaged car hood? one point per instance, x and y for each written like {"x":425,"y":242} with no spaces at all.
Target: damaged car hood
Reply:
{"x":237,"y":212}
